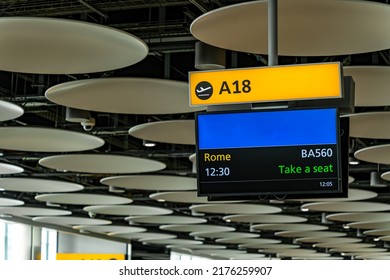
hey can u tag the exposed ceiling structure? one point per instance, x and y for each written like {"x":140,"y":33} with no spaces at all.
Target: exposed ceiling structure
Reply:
{"x":164,"y":26}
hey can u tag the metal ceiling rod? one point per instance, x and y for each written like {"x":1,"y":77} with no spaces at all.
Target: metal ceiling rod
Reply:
{"x":199,"y":5}
{"x":272,"y":32}
{"x":93,"y":9}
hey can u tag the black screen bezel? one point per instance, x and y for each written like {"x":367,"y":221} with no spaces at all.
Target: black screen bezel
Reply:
{"x":343,"y":149}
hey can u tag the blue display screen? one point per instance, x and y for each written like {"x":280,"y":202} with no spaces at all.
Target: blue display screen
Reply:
{"x":297,"y":127}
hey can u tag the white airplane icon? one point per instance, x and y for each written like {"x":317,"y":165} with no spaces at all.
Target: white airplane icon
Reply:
{"x":201,"y":89}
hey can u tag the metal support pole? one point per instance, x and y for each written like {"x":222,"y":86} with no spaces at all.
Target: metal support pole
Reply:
{"x":272,"y":32}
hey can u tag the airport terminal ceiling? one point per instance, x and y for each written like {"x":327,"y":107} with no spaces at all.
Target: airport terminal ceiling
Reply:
{"x":164,"y":26}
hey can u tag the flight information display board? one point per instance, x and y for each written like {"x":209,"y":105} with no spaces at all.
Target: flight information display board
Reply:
{"x":270,"y":152}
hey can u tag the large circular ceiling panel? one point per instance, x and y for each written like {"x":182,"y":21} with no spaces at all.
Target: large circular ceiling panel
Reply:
{"x":375,"y":154}
{"x":353,"y":194}
{"x":143,"y":236}
{"x":127,"y":210}
{"x":151,"y":182}
{"x":369,"y":225}
{"x":38,"y":185}
{"x":82,"y":199}
{"x":248,"y":241}
{"x":359,"y":217}
{"x":71,"y":221}
{"x":171,"y":219}
{"x":371,"y":84}
{"x":235,"y":208}
{"x":6,"y":169}
{"x":386,"y":176}
{"x":299,"y":234}
{"x":214,"y":235}
{"x":9,"y":111}
{"x":288,"y":227}
{"x":101,"y":163}
{"x":349,"y":206}
{"x":10,"y":202}
{"x":266,"y":219}
{"x":268,"y":246}
{"x":46,"y":140}
{"x":184,"y":197}
{"x":319,"y":239}
{"x":197,"y":228}
{"x":305,"y":27}
{"x":369,"y":125}
{"x":107,"y":229}
{"x":173,"y":132}
{"x":173,"y":242}
{"x":33,"y":211}
{"x":124,"y":96}
{"x":377,"y":232}
{"x":61,"y":46}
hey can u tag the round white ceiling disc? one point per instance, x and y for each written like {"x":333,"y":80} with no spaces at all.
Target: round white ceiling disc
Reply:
{"x":384,"y":238}
{"x":341,"y":240}
{"x":375,"y":154}
{"x":348,"y":246}
{"x":197,"y":228}
{"x":46,"y":139}
{"x":298,"y":234}
{"x":370,"y":225}
{"x":235,"y":208}
{"x":214,"y":235}
{"x":305,"y":27}
{"x":6,"y":169}
{"x":171,"y":242}
{"x":247,"y":240}
{"x":101,"y":163}
{"x":359,"y":251}
{"x":107,"y":229}
{"x":213,"y":252}
{"x":268,"y":246}
{"x":38,"y":185}
{"x":353,"y":194}
{"x":61,"y":46}
{"x":266,"y":219}
{"x":377,"y":232}
{"x":249,"y":256}
{"x":171,"y":219}
{"x":237,"y":256}
{"x":289,"y":227}
{"x":374,"y":256}
{"x":195,"y":247}
{"x":184,"y":197}
{"x":124,"y":96}
{"x":71,"y":221}
{"x":127,"y":210}
{"x":292,"y":252}
{"x":83,"y":199}
{"x":317,"y":258}
{"x":386,"y":176}
{"x":9,"y":111}
{"x":371,"y":125}
{"x":144,"y":236}
{"x":151,"y":182}
{"x":10,"y":202}
{"x":32,"y":211}
{"x":359,"y":217}
{"x":174,"y":132}
{"x":349,"y":206}
{"x":371,"y":84}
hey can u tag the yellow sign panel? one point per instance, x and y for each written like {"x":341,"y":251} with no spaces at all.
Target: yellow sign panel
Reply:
{"x":89,"y":257}
{"x":266,"y":84}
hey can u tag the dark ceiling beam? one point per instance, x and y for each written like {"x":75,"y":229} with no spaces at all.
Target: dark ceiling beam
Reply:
{"x":199,"y":5}
{"x":93,"y":9}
